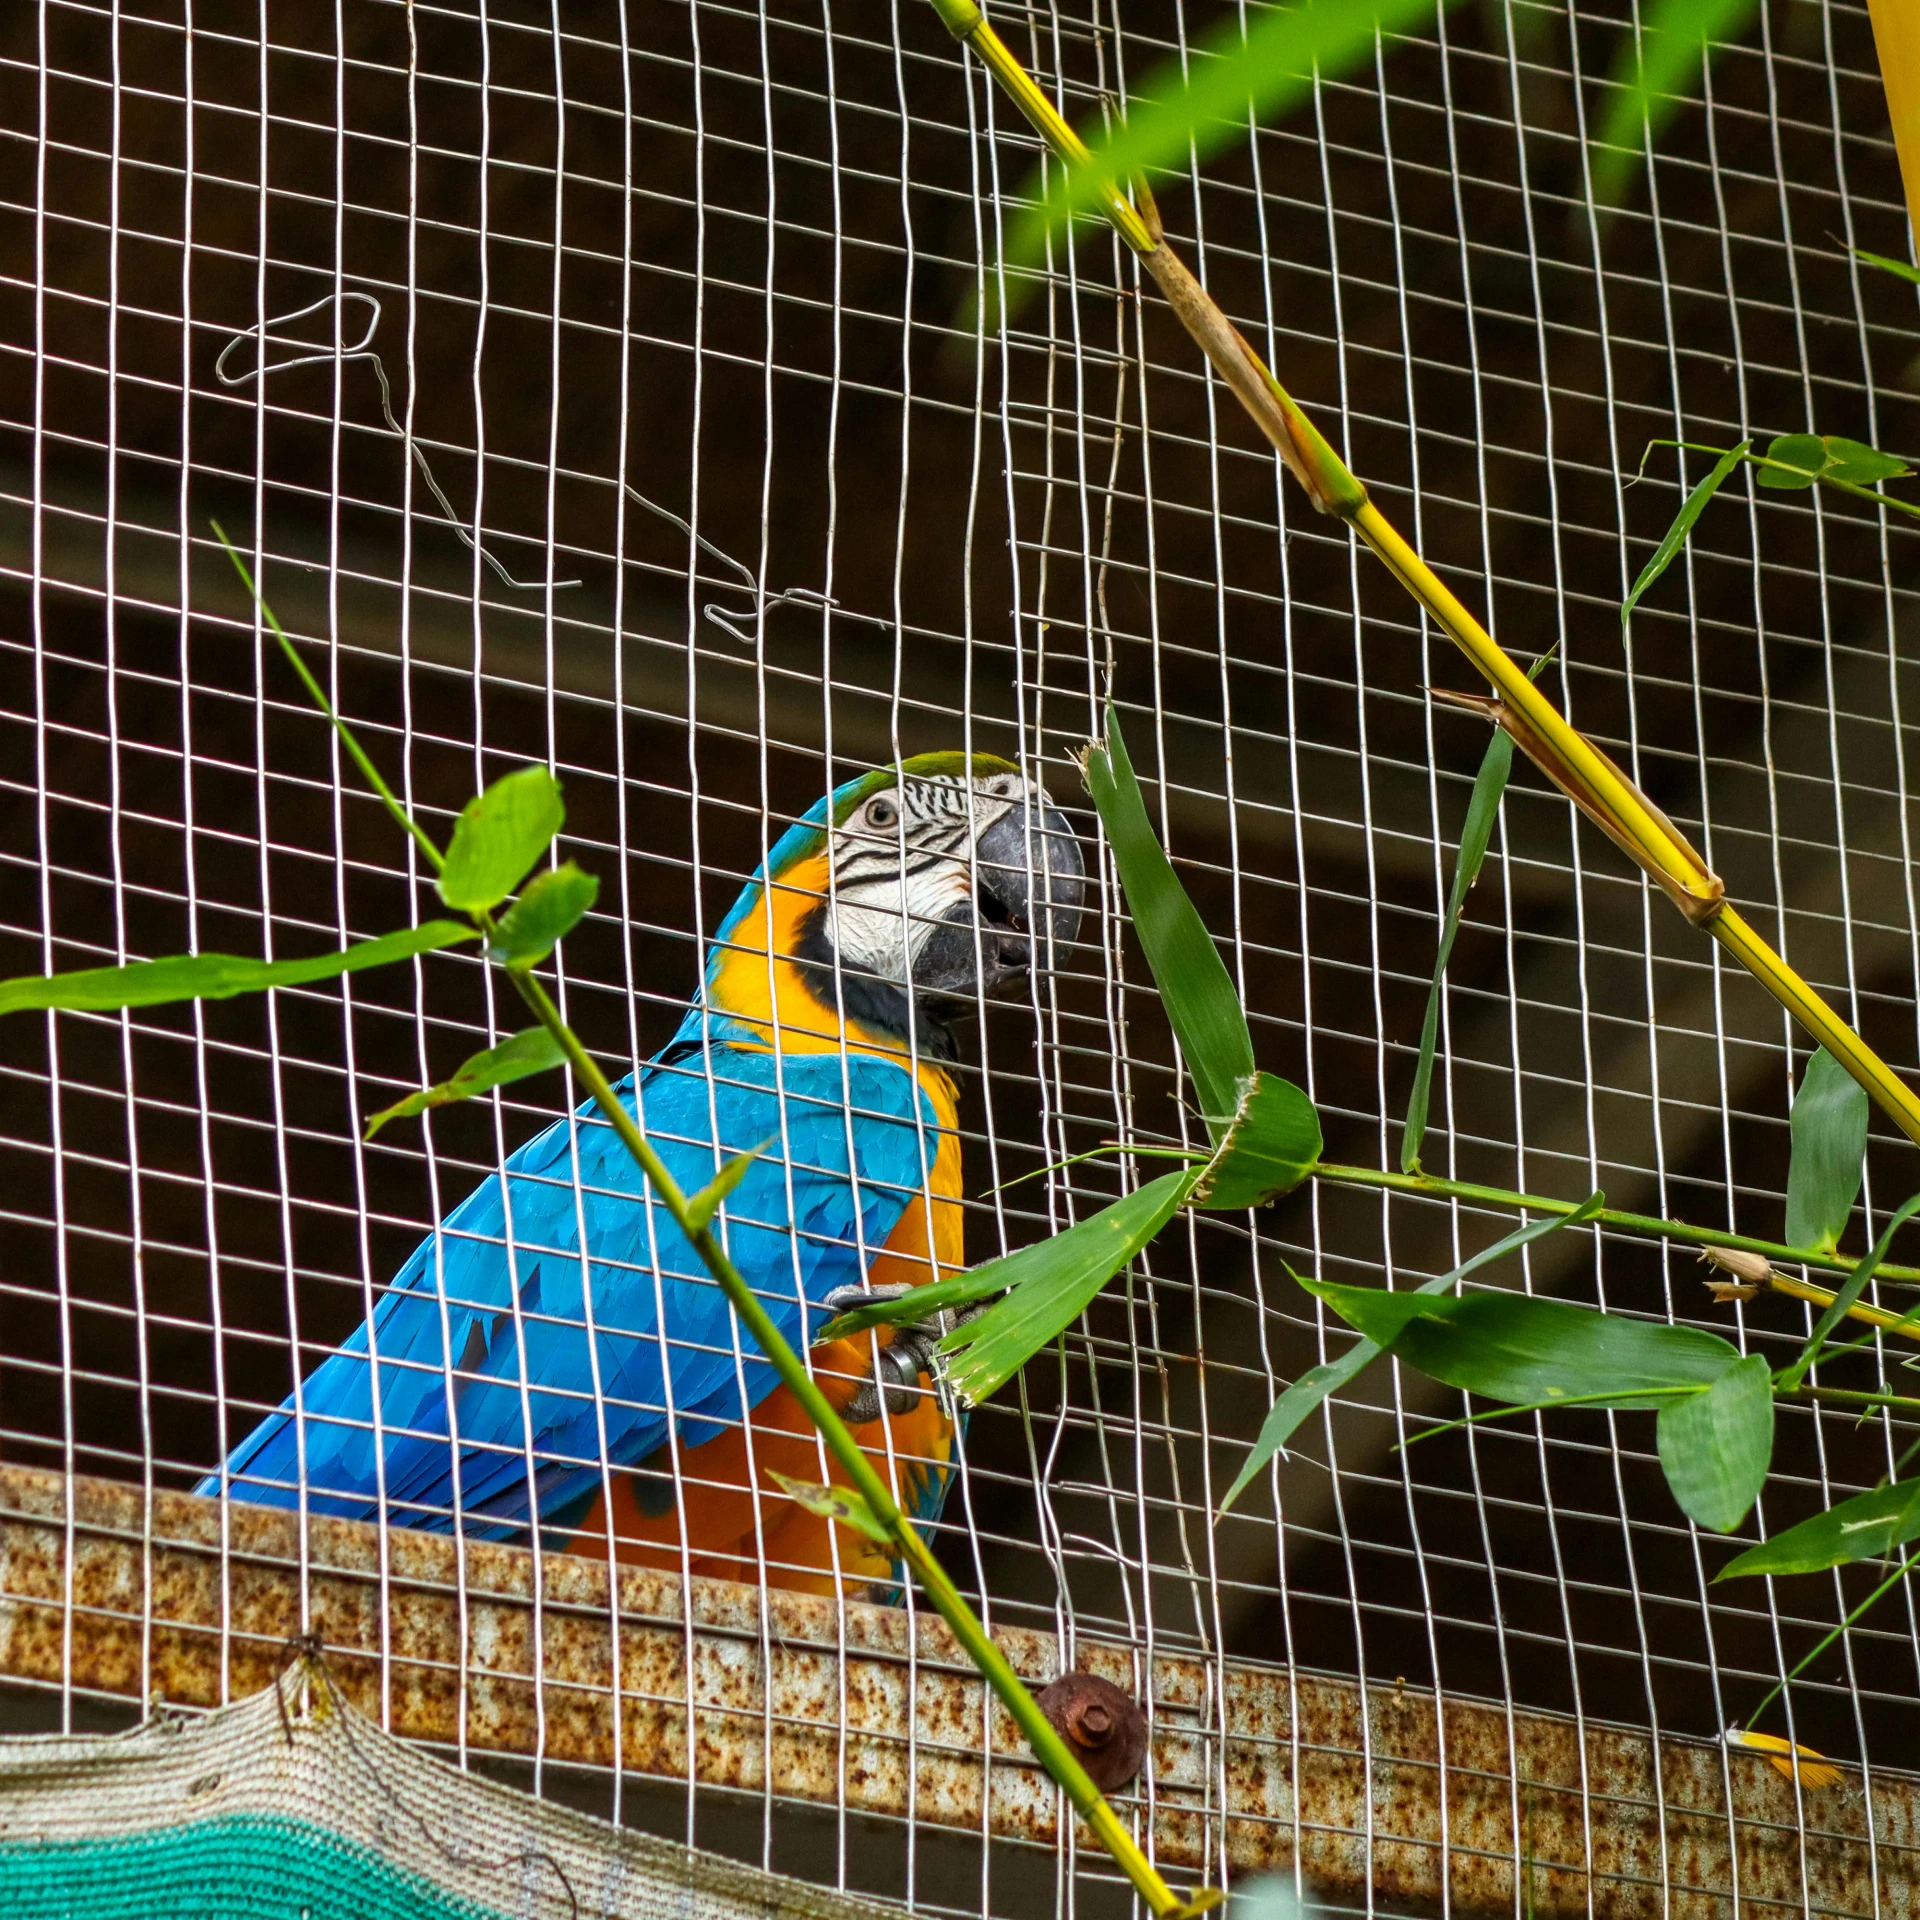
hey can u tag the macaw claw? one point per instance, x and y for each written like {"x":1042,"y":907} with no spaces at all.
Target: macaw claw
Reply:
{"x":896,"y":1375}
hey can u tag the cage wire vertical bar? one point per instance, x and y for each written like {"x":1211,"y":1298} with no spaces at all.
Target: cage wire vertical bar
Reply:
{"x":189,"y":843}
{"x":276,"y":1063}
{"x":116,"y":751}
{"x":697,"y":377}
{"x":1763,"y":651}
{"x":1850,"y":985}
{"x":338,"y":800}
{"x":830,"y":533}
{"x":1889,"y":613}
{"x":1443,"y":1063}
{"x":37,"y":587}
{"x":1029,"y":684}
{"x":623,"y":850}
{"x":768,"y":836}
{"x":1657,"y":227}
{"x":963,"y":1490}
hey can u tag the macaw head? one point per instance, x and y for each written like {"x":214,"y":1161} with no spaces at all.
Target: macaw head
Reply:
{"x":906,"y":896}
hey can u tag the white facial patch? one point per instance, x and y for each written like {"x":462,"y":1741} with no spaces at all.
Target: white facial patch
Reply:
{"x":904,"y":860}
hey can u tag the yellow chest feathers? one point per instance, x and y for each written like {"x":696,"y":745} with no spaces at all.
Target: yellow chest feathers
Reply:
{"x":758,"y":985}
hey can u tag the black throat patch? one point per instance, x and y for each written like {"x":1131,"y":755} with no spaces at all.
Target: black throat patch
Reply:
{"x":878,"y":1005}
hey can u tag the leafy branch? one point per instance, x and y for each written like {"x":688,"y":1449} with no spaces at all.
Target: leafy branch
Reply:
{"x":1255,"y":68}
{"x":500,"y":836}
{"x":1585,"y":774}
{"x":1792,"y":463}
{"x":1714,"y":1405}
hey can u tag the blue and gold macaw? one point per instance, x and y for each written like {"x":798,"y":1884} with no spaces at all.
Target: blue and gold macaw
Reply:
{"x":554,"y":1360}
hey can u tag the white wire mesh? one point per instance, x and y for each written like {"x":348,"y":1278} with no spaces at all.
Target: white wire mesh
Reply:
{"x":674,"y":305}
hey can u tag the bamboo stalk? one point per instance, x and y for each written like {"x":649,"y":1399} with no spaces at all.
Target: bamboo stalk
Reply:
{"x":1819,"y":1297}
{"x":1435,"y":1186}
{"x":1896,"y":37}
{"x":1580,"y":769}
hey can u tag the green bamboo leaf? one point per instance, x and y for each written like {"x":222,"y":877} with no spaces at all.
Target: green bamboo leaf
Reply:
{"x":979,"y":1283}
{"x":1715,"y":1446}
{"x":1193,"y":980}
{"x":1284,"y":1418}
{"x":1650,"y":79}
{"x":355,"y":751}
{"x":1051,"y":1283}
{"x":1856,"y":1284}
{"x":706,"y":1203}
{"x":554,"y":903}
{"x":922,"y":1303}
{"x":1829,"y":1127}
{"x":1286,"y":1415}
{"x":1865,"y":466}
{"x":844,"y":1504}
{"x":1880,"y":260}
{"x":1524,"y":1350}
{"x":1199,"y":106}
{"x":1185,"y":110}
{"x":1793,"y":461}
{"x":500,"y":834}
{"x":215,"y":976}
{"x":1271,"y":1147}
{"x":1870,"y":1526}
{"x":532,"y":1050}
{"x":1676,"y":535}
{"x":1483,"y":809}
{"x":1797,"y":460}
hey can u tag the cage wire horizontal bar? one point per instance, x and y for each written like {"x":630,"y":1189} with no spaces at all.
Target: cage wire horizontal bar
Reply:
{"x":732,"y":261}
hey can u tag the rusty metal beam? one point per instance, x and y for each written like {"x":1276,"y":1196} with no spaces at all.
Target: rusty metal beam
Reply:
{"x":185,"y":1602}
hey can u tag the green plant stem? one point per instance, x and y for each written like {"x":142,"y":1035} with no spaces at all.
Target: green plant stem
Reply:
{"x":1878,"y":498}
{"x":1433,"y":1186}
{"x":1847,"y":1397}
{"x":1780,"y":1686}
{"x":1053,"y":1751}
{"x":1599,"y":1401}
{"x":317,"y":694}
{"x":1106,"y":1150}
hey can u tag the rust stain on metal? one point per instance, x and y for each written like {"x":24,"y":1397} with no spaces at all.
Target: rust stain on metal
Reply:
{"x":1420,"y":1799}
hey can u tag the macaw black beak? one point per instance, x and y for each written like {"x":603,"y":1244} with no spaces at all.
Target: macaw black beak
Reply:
{"x":1029,"y":884}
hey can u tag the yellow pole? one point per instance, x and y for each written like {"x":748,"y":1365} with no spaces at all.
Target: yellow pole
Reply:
{"x":1896,"y":34}
{"x":1572,"y":762}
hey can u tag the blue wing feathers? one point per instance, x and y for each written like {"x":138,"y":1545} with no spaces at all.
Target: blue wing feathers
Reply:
{"x":511,"y":1306}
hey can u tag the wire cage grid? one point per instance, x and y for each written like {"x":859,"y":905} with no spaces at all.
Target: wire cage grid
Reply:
{"x":678,"y":310}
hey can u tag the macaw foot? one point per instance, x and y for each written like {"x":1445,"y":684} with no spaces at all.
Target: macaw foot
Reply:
{"x":895,"y":1381}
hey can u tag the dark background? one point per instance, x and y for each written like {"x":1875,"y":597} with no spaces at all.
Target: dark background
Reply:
{"x":761,"y":315}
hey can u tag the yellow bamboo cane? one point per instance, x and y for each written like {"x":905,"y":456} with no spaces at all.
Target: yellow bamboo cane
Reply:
{"x":1896,"y":36}
{"x":1581,"y":770}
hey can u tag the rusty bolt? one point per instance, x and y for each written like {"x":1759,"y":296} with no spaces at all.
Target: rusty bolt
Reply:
{"x":1107,"y":1731}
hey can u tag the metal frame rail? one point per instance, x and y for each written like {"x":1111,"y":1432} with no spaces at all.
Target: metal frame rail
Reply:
{"x":178,"y":1602}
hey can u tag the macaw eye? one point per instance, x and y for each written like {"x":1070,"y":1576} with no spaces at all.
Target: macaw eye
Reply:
{"x":881,"y":812}
{"x":1003,"y":786}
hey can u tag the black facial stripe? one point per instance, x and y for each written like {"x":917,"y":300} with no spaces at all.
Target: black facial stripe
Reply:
{"x":861,"y":860}
{"x":878,"y":1005}
{"x":940,"y":814}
